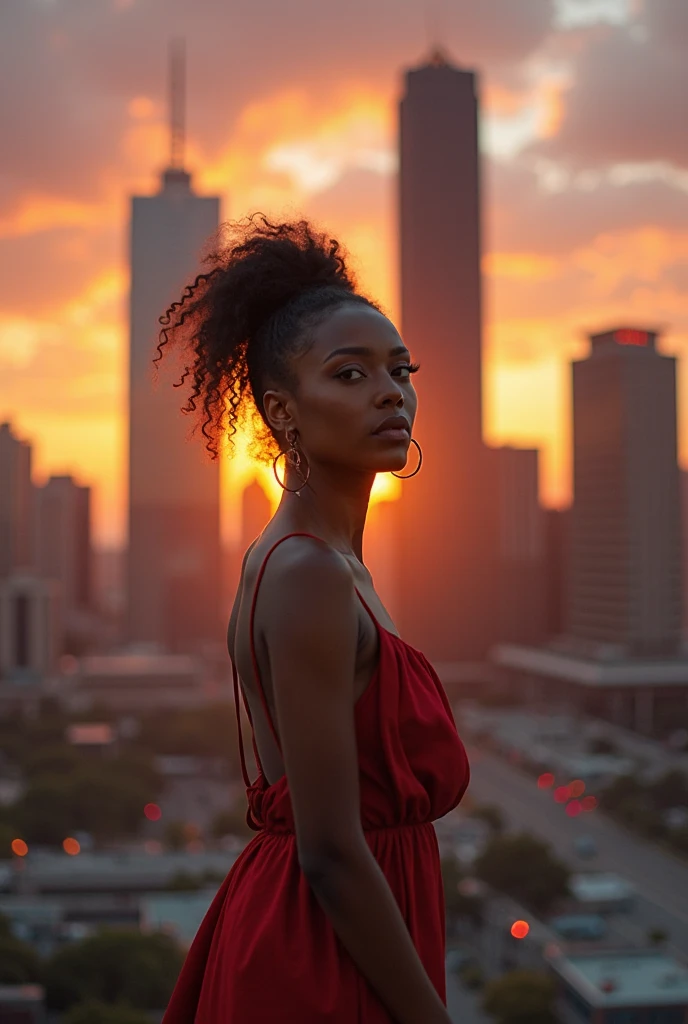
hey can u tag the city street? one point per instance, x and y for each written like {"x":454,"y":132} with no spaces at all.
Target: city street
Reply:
{"x":660,"y":879}
{"x":463,"y":1006}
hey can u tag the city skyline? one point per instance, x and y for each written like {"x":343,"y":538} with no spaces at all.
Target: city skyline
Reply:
{"x":585,"y":217}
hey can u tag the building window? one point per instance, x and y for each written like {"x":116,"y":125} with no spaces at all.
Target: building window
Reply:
{"x":21,"y":630}
{"x":666,"y":1015}
{"x":625,"y":1017}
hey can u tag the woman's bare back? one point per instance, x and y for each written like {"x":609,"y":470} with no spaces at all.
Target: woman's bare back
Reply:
{"x":238,"y":640}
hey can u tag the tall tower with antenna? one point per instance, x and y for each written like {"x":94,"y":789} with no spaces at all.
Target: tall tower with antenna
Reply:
{"x":173,"y":584}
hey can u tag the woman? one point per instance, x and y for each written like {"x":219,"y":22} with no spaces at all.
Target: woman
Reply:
{"x":334,"y":911}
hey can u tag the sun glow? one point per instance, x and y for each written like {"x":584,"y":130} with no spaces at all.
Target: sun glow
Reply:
{"x":240,"y":469}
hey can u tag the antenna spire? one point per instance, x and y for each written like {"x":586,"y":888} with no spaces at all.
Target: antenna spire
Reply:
{"x":177,"y":103}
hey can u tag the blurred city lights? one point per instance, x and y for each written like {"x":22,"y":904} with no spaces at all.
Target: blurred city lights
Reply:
{"x":546,"y":780}
{"x":577,"y":787}
{"x":19,"y":847}
{"x":588,"y":803}
{"x":152,"y":812}
{"x":573,"y":808}
{"x":561,"y":794}
{"x":71,"y":846}
{"x":520,"y":929}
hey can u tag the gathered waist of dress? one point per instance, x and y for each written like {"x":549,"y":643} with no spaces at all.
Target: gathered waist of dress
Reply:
{"x":283,"y":831}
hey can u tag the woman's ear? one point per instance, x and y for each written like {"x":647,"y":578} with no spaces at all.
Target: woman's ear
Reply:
{"x":277,"y":413}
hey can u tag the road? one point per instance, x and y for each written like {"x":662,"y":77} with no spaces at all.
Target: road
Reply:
{"x":660,"y":879}
{"x":463,"y":1006}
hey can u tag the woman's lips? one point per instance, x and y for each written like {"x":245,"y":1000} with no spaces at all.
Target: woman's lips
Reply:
{"x":393,"y":434}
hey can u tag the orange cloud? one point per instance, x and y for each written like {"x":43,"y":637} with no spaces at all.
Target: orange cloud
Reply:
{"x":520,"y":265}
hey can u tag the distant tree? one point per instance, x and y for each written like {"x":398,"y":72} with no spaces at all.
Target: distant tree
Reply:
{"x":95,"y":1012}
{"x":106,"y":804}
{"x":657,"y":936}
{"x":670,"y":790}
{"x":138,"y":766}
{"x":7,"y":834}
{"x":524,"y":868}
{"x":44,"y":812}
{"x":641,"y":818}
{"x":19,"y":962}
{"x":491,"y":815}
{"x":201,"y":732}
{"x":678,"y":839}
{"x":601,"y":745}
{"x":520,"y":997}
{"x":174,"y":835}
{"x":457,"y":904}
{"x":114,"y":966}
{"x":58,"y":760}
{"x":622,"y":789}
{"x":185,"y":881}
{"x":232,"y":822}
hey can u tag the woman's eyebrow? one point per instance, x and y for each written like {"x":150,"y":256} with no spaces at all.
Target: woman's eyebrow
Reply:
{"x":362,"y":350}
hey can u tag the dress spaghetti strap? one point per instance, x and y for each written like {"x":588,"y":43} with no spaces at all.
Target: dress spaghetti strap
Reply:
{"x":256,"y":673}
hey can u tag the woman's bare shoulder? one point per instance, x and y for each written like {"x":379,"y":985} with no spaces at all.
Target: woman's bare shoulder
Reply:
{"x":301,"y":570}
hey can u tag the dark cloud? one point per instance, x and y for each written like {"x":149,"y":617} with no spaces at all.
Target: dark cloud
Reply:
{"x":627,"y":101}
{"x":667,"y":22}
{"x":71,"y":67}
{"x":521,"y":216}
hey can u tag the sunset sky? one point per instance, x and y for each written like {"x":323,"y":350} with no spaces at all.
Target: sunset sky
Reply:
{"x":292,"y":109}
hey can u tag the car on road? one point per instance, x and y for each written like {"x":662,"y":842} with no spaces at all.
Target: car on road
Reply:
{"x":602,"y":892}
{"x":585,"y":847}
{"x":579,"y":927}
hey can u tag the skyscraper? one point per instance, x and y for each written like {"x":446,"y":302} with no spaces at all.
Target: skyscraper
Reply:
{"x":625,"y":580}
{"x":63,"y":540}
{"x":447,"y":514}
{"x":173,"y":582}
{"x":16,"y":502}
{"x":521,"y":547}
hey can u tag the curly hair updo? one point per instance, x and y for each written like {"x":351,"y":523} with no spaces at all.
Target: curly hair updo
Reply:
{"x":245,"y":318}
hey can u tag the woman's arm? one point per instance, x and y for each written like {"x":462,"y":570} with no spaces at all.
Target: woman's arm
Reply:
{"x":309,"y":617}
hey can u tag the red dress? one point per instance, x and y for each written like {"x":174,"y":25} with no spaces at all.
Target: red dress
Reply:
{"x":266,"y":952}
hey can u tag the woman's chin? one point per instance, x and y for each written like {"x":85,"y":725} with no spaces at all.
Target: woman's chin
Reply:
{"x":392,"y":464}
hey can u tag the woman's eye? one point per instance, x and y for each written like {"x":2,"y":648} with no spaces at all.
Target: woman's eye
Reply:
{"x":409,"y":368}
{"x":351,"y":369}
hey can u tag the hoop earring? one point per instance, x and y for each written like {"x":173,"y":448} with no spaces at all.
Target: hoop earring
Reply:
{"x":407,"y":476}
{"x":293,"y":456}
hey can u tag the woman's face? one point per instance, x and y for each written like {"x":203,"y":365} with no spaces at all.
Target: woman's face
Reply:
{"x":353,"y":377}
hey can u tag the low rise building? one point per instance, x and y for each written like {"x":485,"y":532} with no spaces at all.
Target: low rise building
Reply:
{"x":131,"y":683}
{"x":630,"y":987}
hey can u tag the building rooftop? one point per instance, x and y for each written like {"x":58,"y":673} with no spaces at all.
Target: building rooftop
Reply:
{"x":138,"y":664}
{"x":90,"y":734}
{"x":589,"y":672}
{"x":628,"y":978}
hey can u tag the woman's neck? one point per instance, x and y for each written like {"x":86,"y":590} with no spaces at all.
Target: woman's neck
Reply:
{"x":334,"y":508}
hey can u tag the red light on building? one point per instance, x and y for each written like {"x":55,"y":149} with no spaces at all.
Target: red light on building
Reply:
{"x":573,"y":808}
{"x":152,"y":812}
{"x":561,"y":794}
{"x":589,"y":803}
{"x":630,"y":336}
{"x":546,"y":780}
{"x":577,"y":787}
